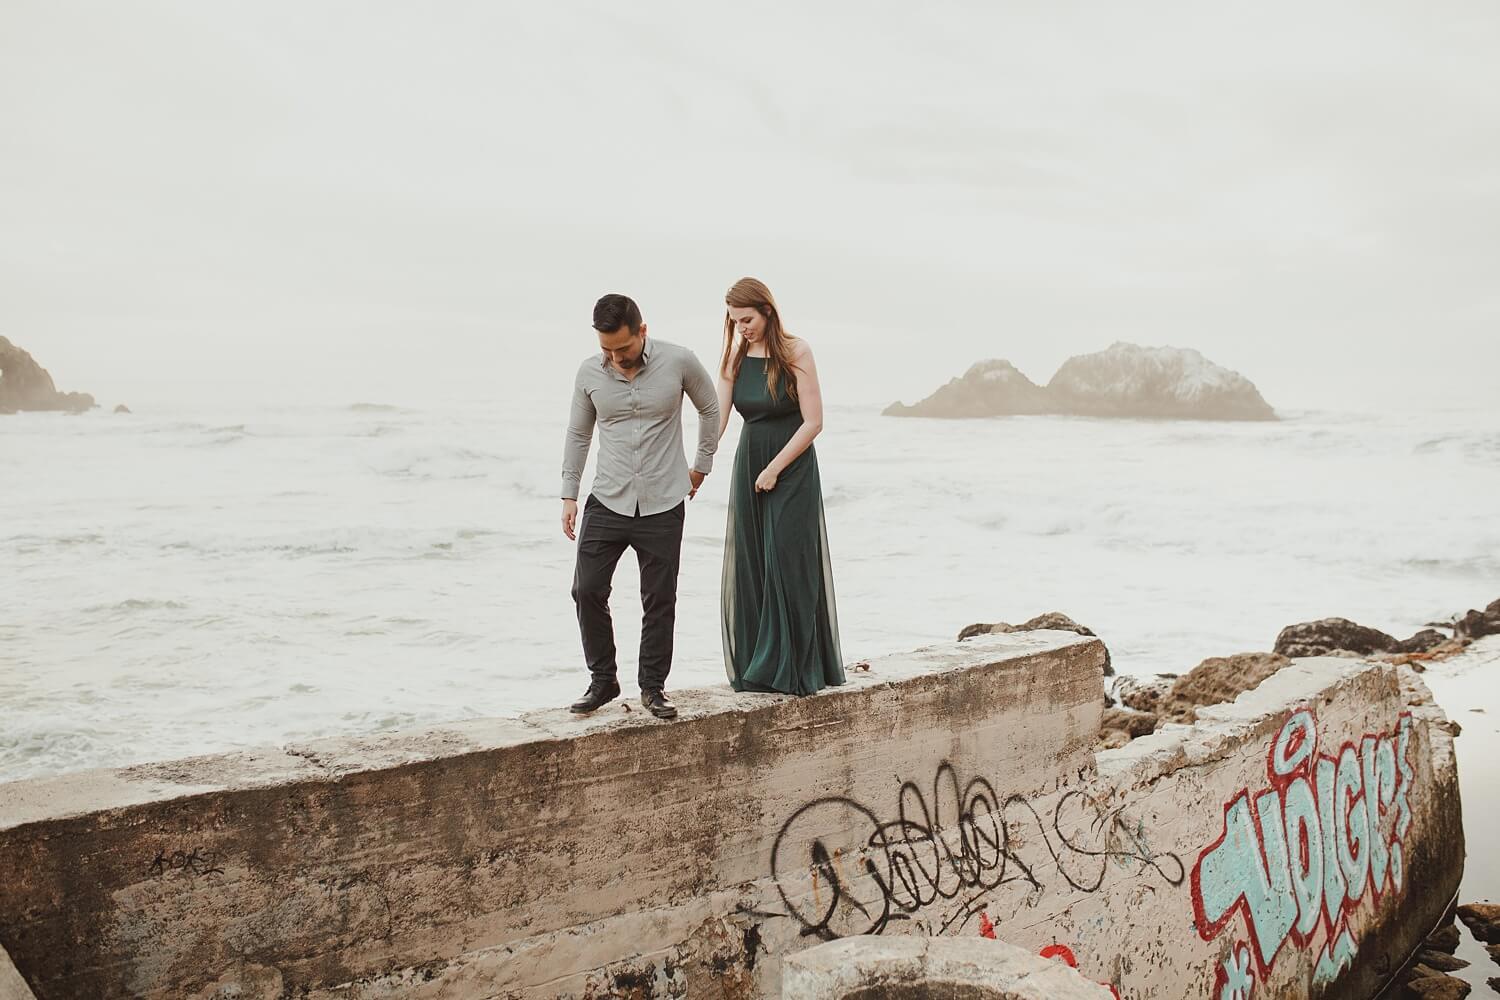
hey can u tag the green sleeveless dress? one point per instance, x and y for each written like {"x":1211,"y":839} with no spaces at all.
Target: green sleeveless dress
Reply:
{"x":780,"y":623}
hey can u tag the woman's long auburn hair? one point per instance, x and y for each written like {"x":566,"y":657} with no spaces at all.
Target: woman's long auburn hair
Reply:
{"x":752,"y":293}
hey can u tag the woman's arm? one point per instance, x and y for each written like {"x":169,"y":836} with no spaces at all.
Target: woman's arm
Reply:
{"x":726,"y":396}
{"x":810,"y":401}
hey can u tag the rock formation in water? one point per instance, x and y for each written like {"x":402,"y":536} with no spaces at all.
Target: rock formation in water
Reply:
{"x":1132,"y":381}
{"x":988,"y":389}
{"x":25,"y":385}
{"x":1124,"y":381}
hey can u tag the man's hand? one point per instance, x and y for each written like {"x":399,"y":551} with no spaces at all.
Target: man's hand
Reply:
{"x":696,"y":479}
{"x":570,"y":518}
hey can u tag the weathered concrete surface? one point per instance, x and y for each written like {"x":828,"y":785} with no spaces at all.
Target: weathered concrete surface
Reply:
{"x":12,"y":986}
{"x":909,"y":968}
{"x":1296,"y":843}
{"x":528,"y":858}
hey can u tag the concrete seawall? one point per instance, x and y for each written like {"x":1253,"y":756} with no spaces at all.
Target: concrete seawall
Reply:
{"x":951,"y":791}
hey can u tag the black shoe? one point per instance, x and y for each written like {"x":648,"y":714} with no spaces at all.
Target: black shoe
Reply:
{"x":657,"y":704}
{"x":597,"y":696}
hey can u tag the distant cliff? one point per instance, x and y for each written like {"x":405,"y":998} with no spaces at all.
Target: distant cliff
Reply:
{"x":25,"y":385}
{"x":1124,"y":381}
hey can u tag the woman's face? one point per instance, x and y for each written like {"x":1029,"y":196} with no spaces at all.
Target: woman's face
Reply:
{"x":748,"y":323}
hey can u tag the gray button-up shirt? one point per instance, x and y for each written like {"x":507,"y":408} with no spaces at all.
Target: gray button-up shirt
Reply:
{"x":641,"y":465}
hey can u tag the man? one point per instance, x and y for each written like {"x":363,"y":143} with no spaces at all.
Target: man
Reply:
{"x":633,"y":392}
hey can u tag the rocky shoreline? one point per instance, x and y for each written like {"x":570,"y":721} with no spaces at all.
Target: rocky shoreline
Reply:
{"x":1136,"y":707}
{"x":26,"y":385}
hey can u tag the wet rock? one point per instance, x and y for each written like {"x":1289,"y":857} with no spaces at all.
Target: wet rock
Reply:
{"x":1494,"y":950}
{"x":1051,"y":619}
{"x":1119,"y":726}
{"x":1445,"y":938}
{"x":1475,"y":624}
{"x":1421,"y":970}
{"x":1326,"y":635}
{"x":26,"y":385}
{"x":1437,"y":988}
{"x":1424,"y":641}
{"x":1440,"y":961}
{"x":1483,"y":920}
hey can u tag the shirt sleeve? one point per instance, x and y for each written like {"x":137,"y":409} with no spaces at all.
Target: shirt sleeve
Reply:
{"x":700,"y":389}
{"x":581,"y":419}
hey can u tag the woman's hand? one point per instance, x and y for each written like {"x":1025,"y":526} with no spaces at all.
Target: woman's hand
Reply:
{"x":766,"y":481}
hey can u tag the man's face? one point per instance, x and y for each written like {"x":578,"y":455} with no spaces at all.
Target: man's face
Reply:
{"x":622,"y":347}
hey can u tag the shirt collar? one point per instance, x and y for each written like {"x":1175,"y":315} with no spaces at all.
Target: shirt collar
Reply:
{"x":645,"y":356}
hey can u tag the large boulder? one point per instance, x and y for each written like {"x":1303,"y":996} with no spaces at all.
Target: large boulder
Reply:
{"x":25,"y":385}
{"x":1424,"y":641}
{"x":1437,"y":987}
{"x":1475,"y":624}
{"x":1322,"y":637}
{"x":987,"y":389}
{"x":1440,"y":961}
{"x":1173,"y":698}
{"x":1128,"y":380}
{"x":1144,"y":694}
{"x":1124,"y":381}
{"x":1445,"y":938}
{"x":1050,"y":619}
{"x":1216,"y":680}
{"x":1483,"y":920}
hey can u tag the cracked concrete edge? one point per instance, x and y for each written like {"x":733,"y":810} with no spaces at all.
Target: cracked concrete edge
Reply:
{"x":101,"y":791}
{"x":1221,"y":730}
{"x":832,"y":971}
{"x":570,"y":954}
{"x":12,"y":986}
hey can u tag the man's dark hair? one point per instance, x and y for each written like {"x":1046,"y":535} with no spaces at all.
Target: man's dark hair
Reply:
{"x":615,"y":311}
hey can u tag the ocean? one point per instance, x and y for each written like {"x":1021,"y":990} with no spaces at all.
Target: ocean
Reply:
{"x":189,"y":580}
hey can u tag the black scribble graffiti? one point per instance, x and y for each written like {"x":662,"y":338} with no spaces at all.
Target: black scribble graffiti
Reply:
{"x":966,"y":842}
{"x":195,"y":864}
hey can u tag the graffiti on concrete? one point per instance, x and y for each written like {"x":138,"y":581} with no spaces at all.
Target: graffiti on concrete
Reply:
{"x":1235,"y":980}
{"x":190,"y":864}
{"x":951,"y":853}
{"x":1064,"y":954}
{"x":1333,"y":961}
{"x":1297,"y":858}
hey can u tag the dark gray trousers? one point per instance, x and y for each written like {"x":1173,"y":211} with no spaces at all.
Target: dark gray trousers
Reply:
{"x":603,"y":537}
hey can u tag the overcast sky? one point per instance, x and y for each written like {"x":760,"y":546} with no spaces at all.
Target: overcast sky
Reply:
{"x":356,"y":200}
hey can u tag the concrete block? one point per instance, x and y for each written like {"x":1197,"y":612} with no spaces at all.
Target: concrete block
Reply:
{"x":1292,"y":843}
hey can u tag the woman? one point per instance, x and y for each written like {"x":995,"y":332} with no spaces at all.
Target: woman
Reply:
{"x":780,"y":625}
